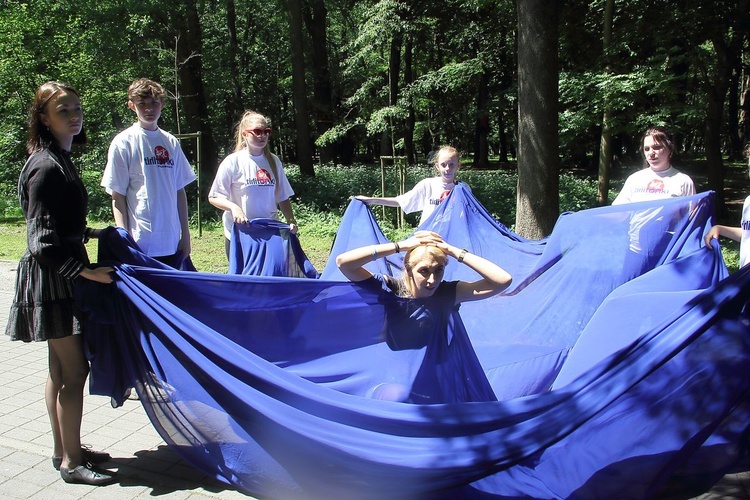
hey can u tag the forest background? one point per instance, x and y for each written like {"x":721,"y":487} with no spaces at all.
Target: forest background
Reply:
{"x":535,"y":89}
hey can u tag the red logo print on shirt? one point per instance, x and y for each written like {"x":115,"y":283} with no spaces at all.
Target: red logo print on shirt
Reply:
{"x":162,"y":154}
{"x":655,"y":186}
{"x":445,"y":194}
{"x":263,"y":176}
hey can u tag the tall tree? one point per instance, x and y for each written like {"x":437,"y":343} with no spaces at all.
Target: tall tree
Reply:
{"x":316,"y":21}
{"x":727,"y":35}
{"x":191,"y":93}
{"x":537,"y":205}
{"x":299,"y":89}
{"x":605,"y":147}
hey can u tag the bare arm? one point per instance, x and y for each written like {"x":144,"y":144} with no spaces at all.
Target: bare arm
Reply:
{"x":100,"y":274}
{"x":494,"y":280}
{"x":734,"y":233}
{"x":351,"y":263}
{"x":238,"y":215}
{"x":182,"y":209}
{"x":120,"y":210}
{"x":370,"y":200}
{"x":286,"y":209}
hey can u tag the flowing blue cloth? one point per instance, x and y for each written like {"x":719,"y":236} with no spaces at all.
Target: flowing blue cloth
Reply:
{"x":265,"y":247}
{"x":619,"y":357}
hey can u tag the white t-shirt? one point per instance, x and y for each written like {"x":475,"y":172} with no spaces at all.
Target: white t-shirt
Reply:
{"x":745,"y":225}
{"x":426,"y":196}
{"x":148,"y":167}
{"x":647,"y":185}
{"x":248,"y":181}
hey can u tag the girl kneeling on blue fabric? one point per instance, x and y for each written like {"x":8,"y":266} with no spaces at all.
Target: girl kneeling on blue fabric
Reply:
{"x":426,"y":313}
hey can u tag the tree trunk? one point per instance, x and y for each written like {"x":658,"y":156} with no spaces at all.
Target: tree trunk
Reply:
{"x":299,"y":90}
{"x":538,"y":196}
{"x":733,"y":113}
{"x":387,"y":145}
{"x":235,"y":105}
{"x":605,"y":144}
{"x":481,"y":147}
{"x":411,"y":119}
{"x":744,"y":121}
{"x":316,"y":21}
{"x":192,"y":95}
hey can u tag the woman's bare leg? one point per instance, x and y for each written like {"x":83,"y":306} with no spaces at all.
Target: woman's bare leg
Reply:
{"x":51,"y":390}
{"x":73,"y":372}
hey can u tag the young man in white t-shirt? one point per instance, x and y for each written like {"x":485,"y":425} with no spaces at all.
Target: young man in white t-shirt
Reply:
{"x":146,"y":175}
{"x":428,"y":193}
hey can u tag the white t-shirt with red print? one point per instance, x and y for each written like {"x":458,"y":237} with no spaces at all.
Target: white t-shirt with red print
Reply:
{"x":647,"y":185}
{"x":149,"y":168}
{"x":426,"y":196}
{"x":745,"y":241}
{"x":249,"y":182}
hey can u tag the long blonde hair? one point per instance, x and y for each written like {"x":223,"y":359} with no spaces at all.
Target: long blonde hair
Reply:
{"x":247,"y":118}
{"x":406,"y":282}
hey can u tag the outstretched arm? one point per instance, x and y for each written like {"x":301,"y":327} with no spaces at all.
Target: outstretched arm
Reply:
{"x":373,"y":200}
{"x":734,"y":233}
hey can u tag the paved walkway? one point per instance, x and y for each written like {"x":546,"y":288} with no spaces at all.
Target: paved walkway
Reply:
{"x":146,"y":467}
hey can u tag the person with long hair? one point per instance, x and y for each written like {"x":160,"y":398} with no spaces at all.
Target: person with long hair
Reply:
{"x":54,"y":202}
{"x":428,"y":193}
{"x":250,"y":183}
{"x":659,"y":179}
{"x":425,"y":308}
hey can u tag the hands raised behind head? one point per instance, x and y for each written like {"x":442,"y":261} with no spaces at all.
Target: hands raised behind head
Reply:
{"x":421,"y":238}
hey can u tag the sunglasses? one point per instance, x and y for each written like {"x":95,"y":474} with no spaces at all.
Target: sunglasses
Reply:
{"x":258,"y":132}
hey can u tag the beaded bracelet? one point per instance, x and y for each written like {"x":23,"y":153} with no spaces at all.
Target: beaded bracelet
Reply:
{"x":398,"y":249}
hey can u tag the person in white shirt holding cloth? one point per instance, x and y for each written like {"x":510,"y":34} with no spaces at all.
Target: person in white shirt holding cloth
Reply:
{"x":250,"y":183}
{"x":741,"y":233}
{"x":659,"y":179}
{"x":146,"y":175}
{"x":428,"y":193}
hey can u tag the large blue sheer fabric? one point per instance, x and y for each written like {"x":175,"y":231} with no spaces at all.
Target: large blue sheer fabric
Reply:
{"x":619,"y":358}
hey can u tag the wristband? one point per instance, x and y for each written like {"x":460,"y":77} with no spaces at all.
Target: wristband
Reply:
{"x":398,"y":249}
{"x":374,"y":253}
{"x":461,"y":256}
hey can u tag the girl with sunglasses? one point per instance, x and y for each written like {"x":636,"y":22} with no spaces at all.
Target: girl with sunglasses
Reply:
{"x":250,"y":183}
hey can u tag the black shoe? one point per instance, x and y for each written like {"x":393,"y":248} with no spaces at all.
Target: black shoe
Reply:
{"x":86,"y":474}
{"x":89,"y":455}
{"x":94,"y":457}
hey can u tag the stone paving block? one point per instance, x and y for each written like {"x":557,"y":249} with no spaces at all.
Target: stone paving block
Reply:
{"x":16,"y":488}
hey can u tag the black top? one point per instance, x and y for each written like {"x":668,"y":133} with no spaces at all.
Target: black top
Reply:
{"x":55,"y":203}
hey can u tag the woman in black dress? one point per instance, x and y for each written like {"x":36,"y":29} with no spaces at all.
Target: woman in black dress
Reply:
{"x":54,"y":202}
